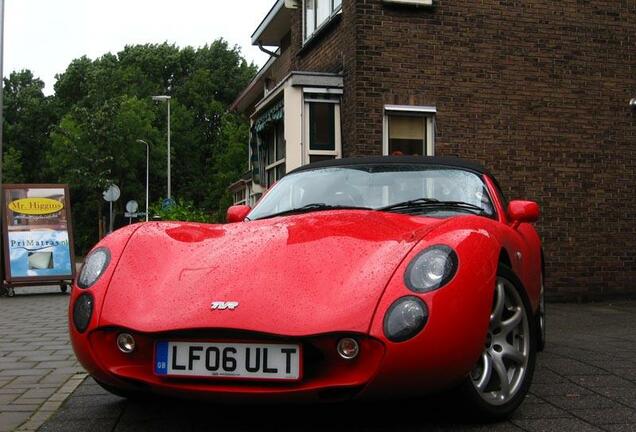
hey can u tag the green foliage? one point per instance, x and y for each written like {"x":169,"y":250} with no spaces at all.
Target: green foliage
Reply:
{"x":12,"y":171}
{"x":86,"y":134}
{"x":181,"y":211}
{"x":28,"y":117}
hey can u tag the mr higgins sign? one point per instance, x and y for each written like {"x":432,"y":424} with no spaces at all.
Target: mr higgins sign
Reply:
{"x":38,"y":240}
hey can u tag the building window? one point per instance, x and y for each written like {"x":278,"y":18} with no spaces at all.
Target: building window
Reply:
{"x":317,"y":13}
{"x":409,"y":131}
{"x":322,"y":114}
{"x":240,"y":196}
{"x":273,"y":150}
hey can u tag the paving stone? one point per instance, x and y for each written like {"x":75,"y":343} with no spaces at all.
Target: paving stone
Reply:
{"x":13,"y":407}
{"x":602,"y":381}
{"x":58,"y":364}
{"x":539,"y":410}
{"x":83,"y":425}
{"x":24,"y":372}
{"x":607,"y":415}
{"x":39,"y":392}
{"x":7,"y":398}
{"x":559,"y":389}
{"x":555,"y":425}
{"x":580,"y":402}
{"x":10,"y":420}
{"x":29,"y":401}
{"x":620,"y":427}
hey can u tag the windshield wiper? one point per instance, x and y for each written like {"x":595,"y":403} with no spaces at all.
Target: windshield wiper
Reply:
{"x":314,"y":207}
{"x":433,"y":204}
{"x":410,"y":203}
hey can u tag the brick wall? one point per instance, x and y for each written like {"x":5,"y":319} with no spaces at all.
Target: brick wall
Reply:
{"x":536,"y":90}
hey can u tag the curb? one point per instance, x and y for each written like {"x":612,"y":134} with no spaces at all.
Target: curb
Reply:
{"x":48,"y":408}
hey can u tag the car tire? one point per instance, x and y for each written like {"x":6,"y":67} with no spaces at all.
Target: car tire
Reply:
{"x":509,"y":354}
{"x":540,"y":319}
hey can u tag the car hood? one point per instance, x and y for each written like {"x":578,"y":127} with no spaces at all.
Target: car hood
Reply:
{"x":295,"y":275}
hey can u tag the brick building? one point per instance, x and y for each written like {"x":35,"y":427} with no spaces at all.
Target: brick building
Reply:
{"x":538,"y":91}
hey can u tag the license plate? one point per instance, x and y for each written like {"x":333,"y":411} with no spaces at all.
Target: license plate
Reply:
{"x":228,"y":360}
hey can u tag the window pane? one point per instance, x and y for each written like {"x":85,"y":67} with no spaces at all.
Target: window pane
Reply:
{"x":407,"y":135}
{"x":269,"y":142}
{"x":323,"y":10}
{"x":322,"y":127}
{"x":337,"y":4}
{"x":318,"y":158}
{"x":310,"y":17}
{"x":280,"y":171}
{"x":280,"y":140}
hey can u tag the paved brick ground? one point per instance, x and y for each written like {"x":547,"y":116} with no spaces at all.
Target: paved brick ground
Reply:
{"x":37,"y":365}
{"x":585,"y":381}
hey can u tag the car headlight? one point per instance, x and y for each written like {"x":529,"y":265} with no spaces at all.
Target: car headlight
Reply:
{"x":82,"y":312}
{"x":93,"y":268}
{"x":405,"y":318}
{"x":431,"y":269}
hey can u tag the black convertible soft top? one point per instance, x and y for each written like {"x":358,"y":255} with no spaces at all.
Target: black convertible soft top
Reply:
{"x":398,"y":160}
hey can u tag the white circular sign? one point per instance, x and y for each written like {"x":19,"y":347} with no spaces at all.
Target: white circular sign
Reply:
{"x":132,"y":206}
{"x":112,"y":193}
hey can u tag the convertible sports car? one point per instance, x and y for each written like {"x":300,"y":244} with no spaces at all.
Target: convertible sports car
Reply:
{"x":351,"y":278}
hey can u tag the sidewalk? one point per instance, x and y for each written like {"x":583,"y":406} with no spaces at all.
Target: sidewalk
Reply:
{"x":38,"y":369}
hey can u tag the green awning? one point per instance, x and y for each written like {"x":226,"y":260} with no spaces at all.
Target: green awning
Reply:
{"x":270,"y":116}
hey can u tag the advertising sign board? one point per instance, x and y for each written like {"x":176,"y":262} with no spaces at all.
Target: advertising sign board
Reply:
{"x":38,"y":237}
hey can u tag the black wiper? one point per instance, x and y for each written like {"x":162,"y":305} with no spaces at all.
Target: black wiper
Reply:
{"x":433,"y":204}
{"x":410,"y":203}
{"x":314,"y":207}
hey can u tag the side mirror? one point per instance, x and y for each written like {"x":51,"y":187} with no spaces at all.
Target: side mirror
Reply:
{"x":237,"y":213}
{"x":523,"y":212}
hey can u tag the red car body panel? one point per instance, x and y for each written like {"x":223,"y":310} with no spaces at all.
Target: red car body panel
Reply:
{"x":309,"y":279}
{"x":339,"y":271}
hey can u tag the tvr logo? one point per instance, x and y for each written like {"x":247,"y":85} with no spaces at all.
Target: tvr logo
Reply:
{"x":220,"y":305}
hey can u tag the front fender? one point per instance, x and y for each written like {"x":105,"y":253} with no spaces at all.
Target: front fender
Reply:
{"x":115,"y":243}
{"x":453,"y":338}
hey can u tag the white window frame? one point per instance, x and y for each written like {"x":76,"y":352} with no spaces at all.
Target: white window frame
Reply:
{"x":333,"y":11}
{"x":307,"y":151}
{"x":428,"y":116}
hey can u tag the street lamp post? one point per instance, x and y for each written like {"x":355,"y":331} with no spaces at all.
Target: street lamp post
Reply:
{"x":164,"y":98}
{"x":147,"y":173}
{"x":1,"y":83}
{"x":1,"y":105}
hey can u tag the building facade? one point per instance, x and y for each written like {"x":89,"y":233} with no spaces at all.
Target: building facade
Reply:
{"x":538,"y":91}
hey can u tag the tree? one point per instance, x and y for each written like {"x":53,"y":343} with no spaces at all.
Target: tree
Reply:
{"x":28,"y":117}
{"x":104,"y":106}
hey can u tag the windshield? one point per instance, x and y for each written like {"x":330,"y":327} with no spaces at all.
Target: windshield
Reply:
{"x":377,"y":187}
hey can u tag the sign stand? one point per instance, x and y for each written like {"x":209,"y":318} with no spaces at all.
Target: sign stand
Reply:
{"x":38,"y":236}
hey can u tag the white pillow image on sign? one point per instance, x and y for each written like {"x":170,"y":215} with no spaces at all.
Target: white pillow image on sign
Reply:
{"x":40,"y":260}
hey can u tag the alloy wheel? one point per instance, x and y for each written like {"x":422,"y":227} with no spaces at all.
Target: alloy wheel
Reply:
{"x":502,"y":368}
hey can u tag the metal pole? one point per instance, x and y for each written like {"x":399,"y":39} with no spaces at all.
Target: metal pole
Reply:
{"x":111,"y":217}
{"x":147,"y":173}
{"x":169,"y":181}
{"x":1,"y":122}
{"x":147,"y":176}
{"x":1,"y":83}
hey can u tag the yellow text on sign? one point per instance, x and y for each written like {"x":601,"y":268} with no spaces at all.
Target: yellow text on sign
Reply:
{"x":36,"y":206}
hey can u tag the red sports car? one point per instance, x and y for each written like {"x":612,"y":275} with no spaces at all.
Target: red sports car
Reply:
{"x":351,"y":278}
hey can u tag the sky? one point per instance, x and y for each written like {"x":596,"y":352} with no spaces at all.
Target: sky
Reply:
{"x":46,"y":35}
